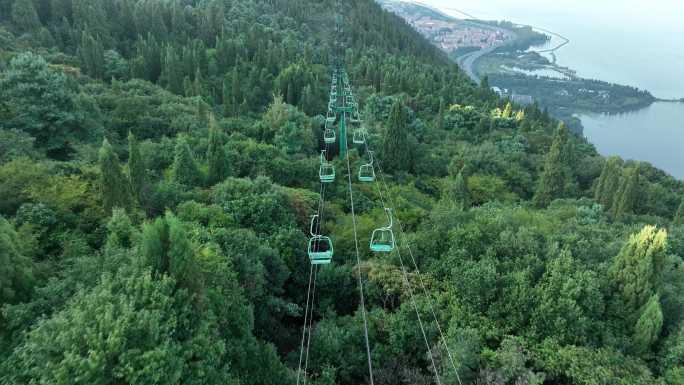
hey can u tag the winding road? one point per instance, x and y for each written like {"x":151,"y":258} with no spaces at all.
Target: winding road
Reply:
{"x":467,"y":61}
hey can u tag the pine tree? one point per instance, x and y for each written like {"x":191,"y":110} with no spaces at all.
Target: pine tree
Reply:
{"x":92,"y":57}
{"x":136,"y":167}
{"x":166,"y":247}
{"x":457,"y":193}
{"x":609,"y":182}
{"x":636,"y":270}
{"x":308,"y":103}
{"x":650,"y":323}
{"x":628,"y":194}
{"x":120,"y":230}
{"x":16,"y":270}
{"x":113,"y":184}
{"x":236,"y":95}
{"x":172,"y":71}
{"x":216,"y":155}
{"x":439,"y":119}
{"x":184,"y":168}
{"x":396,"y":146}
{"x":556,"y":177}
{"x":24,"y":16}
{"x":679,"y":216}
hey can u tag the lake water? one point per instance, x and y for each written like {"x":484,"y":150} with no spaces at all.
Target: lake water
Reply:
{"x":632,"y":42}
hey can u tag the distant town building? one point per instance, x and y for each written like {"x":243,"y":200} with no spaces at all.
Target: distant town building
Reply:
{"x":523,"y":100}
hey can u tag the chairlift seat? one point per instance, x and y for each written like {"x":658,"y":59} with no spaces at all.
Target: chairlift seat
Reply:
{"x":329,"y":136}
{"x":320,"y":250}
{"x":382,"y":240}
{"x":359,"y":136}
{"x":366,"y":173}
{"x":327,"y":173}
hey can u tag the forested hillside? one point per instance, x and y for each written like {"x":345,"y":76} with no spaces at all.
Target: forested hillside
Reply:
{"x":159,"y":167}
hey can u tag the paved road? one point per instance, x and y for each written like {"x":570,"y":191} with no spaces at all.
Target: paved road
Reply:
{"x":467,"y":62}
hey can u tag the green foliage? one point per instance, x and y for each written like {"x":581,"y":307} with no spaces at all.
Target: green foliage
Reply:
{"x":114,"y":187}
{"x":24,"y":16}
{"x":129,"y":328}
{"x":92,"y":56}
{"x":136,"y":168}
{"x":679,"y":215}
{"x":557,"y":176}
{"x":120,"y":231}
{"x":215,"y":293}
{"x":16,"y":270}
{"x":457,"y":193}
{"x":216,"y":155}
{"x":184,"y":168}
{"x":570,"y":301}
{"x":257,"y":204}
{"x":649,"y":325}
{"x":396,"y":146}
{"x":42,"y":104}
{"x":15,"y":144}
{"x":636,"y":271}
{"x":609,"y":182}
{"x":628,"y":194}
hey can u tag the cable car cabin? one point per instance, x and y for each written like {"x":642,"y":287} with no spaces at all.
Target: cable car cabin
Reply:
{"x":382,"y":239}
{"x":331,"y":117}
{"x":359,"y":136}
{"x":367,"y":171}
{"x":327,"y":171}
{"x":355,"y":118}
{"x":320,"y":250}
{"x":329,"y":136}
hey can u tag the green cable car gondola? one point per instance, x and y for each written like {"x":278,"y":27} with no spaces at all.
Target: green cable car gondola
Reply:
{"x":359,"y":136}
{"x":367,"y":171}
{"x":320,"y":248}
{"x":330,"y":117}
{"x":382,"y":240}
{"x":329,"y":136}
{"x":327,"y":171}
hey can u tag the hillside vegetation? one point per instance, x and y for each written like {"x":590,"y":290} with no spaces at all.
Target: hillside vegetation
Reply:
{"x":159,"y":167}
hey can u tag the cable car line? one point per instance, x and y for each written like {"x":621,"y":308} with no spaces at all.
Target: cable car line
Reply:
{"x":306,"y":314}
{"x":409,"y":286}
{"x":420,"y":277}
{"x":358,"y":271}
{"x":308,"y":342}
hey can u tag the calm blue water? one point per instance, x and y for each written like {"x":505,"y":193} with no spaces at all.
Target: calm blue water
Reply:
{"x":631,"y":42}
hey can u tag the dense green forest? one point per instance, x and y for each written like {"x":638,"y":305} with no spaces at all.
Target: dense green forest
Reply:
{"x":159,"y":166}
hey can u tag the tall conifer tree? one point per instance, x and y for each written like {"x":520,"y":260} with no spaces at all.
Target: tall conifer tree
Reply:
{"x":216,"y":155}
{"x":185,"y":169}
{"x":628,"y":194}
{"x":136,"y":167}
{"x":113,"y":184}
{"x":609,"y":182}
{"x":396,"y":146}
{"x":556,"y":177}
